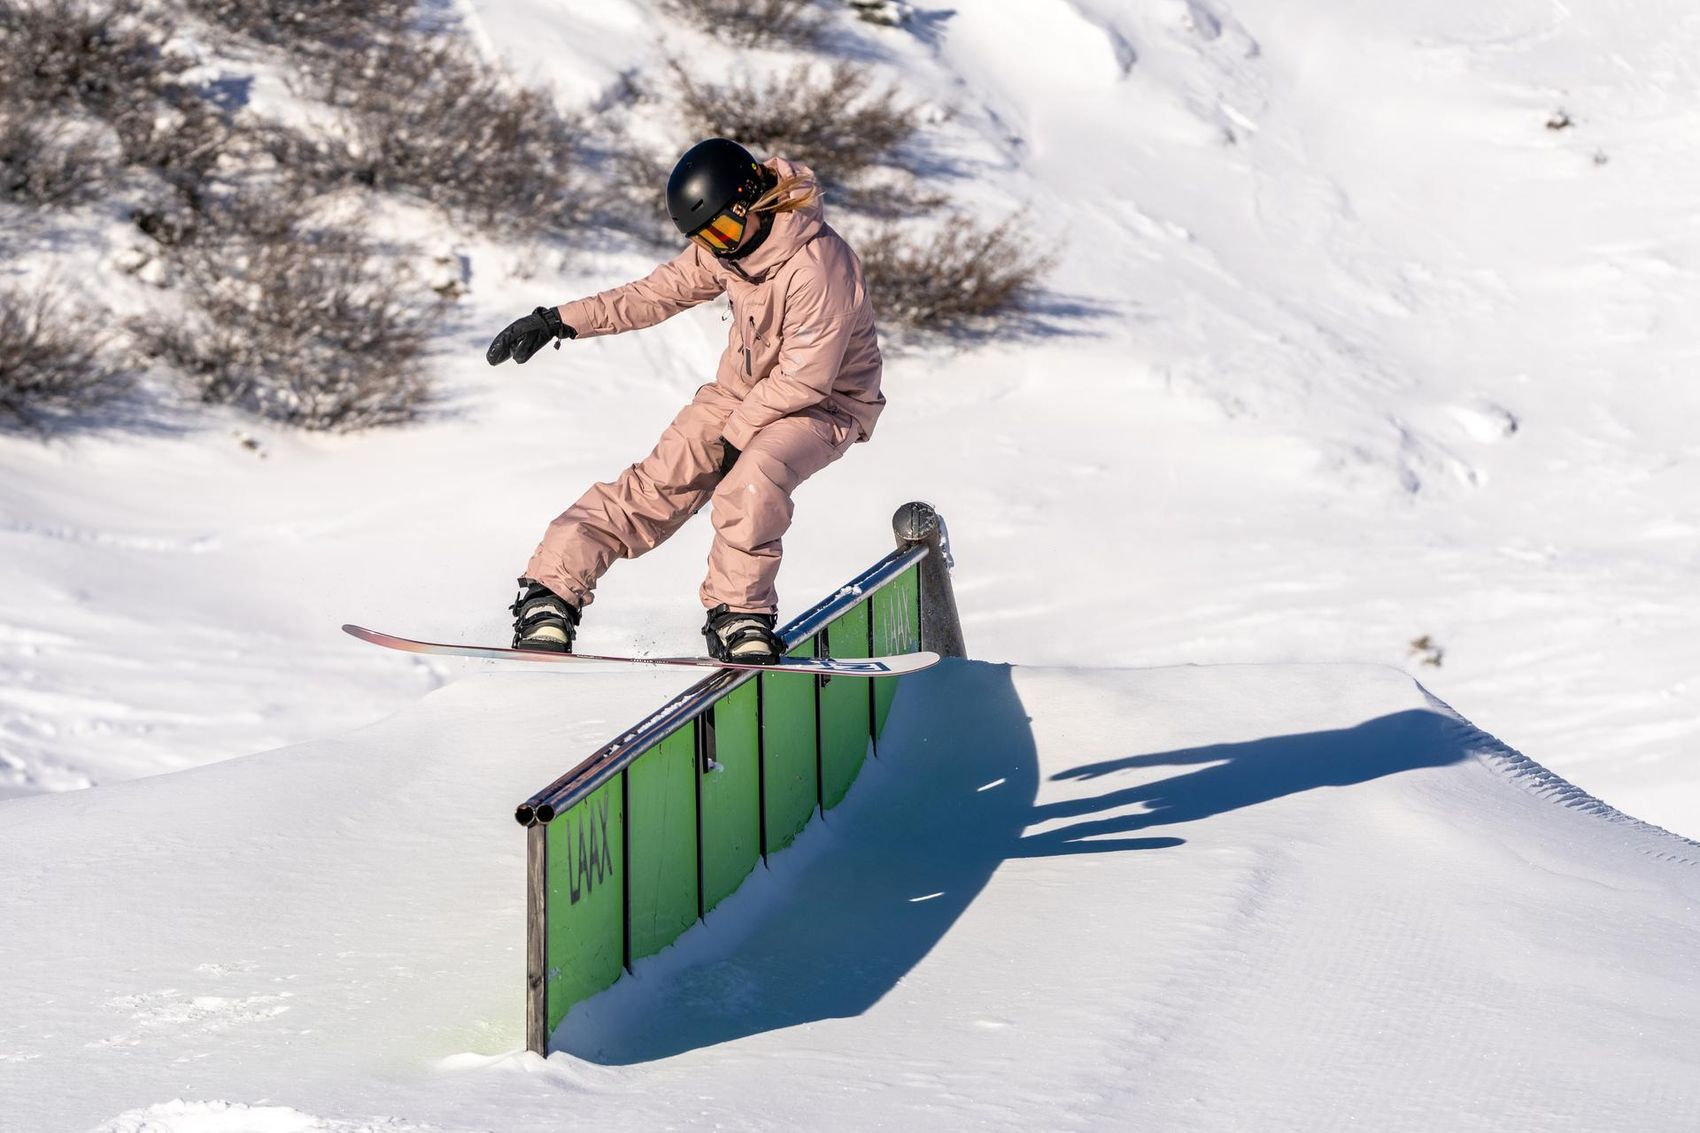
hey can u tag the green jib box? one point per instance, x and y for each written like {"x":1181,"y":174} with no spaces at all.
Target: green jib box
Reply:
{"x":631,"y":866}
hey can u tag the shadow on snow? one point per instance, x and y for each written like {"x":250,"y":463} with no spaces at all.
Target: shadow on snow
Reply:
{"x":879,"y":882}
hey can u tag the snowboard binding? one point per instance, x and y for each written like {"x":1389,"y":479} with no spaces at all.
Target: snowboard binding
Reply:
{"x":748,"y":639}
{"x":543,"y":619}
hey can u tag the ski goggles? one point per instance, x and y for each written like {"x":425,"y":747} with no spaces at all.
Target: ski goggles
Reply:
{"x":726,"y":231}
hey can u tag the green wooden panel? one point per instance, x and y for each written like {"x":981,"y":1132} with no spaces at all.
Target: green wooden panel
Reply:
{"x":845,"y":719}
{"x":897,"y":629}
{"x":791,"y":755}
{"x":731,"y":797}
{"x":661,"y":798}
{"x":585,"y":936}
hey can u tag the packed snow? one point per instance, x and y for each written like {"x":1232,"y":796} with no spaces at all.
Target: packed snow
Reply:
{"x":1368,"y":348}
{"x":1204,"y":897}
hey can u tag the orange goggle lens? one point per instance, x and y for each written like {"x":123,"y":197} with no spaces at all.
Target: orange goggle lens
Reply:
{"x":721,"y":234}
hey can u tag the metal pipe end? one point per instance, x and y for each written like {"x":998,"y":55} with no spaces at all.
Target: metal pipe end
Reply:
{"x":544,"y":814}
{"x":915,"y":522}
{"x":523,"y":814}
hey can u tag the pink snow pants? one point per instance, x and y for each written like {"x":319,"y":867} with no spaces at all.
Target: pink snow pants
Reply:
{"x":653,"y":498}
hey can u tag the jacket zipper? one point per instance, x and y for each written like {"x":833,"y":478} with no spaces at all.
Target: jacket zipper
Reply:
{"x":749,"y":366}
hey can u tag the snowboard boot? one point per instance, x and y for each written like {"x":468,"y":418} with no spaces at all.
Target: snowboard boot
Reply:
{"x":543,"y":619}
{"x":746,"y":638}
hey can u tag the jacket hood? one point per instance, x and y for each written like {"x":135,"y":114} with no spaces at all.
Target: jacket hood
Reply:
{"x":791,"y":230}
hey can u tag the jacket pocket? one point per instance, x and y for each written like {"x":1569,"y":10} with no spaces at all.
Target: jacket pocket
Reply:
{"x":834,"y":426}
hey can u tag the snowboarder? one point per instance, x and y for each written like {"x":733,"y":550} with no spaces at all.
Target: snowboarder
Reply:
{"x":799,"y":383}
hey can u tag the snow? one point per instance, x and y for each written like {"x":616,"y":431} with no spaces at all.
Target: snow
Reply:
{"x":224,"y":1117}
{"x":1347,"y":351}
{"x":1314,"y":263}
{"x":1204,"y":897}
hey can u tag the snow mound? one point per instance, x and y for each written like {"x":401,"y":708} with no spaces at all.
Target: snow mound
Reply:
{"x":228,"y":1117}
{"x":1273,"y":897}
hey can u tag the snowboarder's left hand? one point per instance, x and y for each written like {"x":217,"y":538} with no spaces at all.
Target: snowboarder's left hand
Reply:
{"x":728,"y":456}
{"x":526,"y":336}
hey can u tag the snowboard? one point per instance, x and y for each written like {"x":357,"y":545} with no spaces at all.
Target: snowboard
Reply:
{"x":822,"y":667}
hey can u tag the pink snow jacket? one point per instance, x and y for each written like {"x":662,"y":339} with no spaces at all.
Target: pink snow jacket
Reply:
{"x":802,"y":330}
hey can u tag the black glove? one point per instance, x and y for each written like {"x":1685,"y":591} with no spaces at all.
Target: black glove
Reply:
{"x":728,"y":456}
{"x":525,"y":337}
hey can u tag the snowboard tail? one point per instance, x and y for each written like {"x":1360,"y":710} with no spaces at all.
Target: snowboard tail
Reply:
{"x":894,"y":666}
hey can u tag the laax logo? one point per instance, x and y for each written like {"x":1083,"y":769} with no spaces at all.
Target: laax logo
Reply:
{"x":594,"y":862}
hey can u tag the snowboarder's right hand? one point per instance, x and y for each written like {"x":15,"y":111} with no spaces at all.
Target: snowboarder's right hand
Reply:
{"x":525,"y":336}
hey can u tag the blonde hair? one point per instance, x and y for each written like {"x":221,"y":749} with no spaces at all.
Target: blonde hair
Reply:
{"x":779,"y":198}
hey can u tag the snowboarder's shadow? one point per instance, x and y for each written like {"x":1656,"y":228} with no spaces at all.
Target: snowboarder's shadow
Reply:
{"x":840,"y":919}
{"x":1239,"y":775}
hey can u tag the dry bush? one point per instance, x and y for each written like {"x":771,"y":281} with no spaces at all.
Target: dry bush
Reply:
{"x":55,"y":370}
{"x":756,"y":23}
{"x":883,"y":13}
{"x":70,"y":62}
{"x":430,"y":119}
{"x":186,"y":146}
{"x":300,"y":324}
{"x":107,"y":58}
{"x":833,"y":121}
{"x":309,"y":27}
{"x":50,"y":161}
{"x":259,"y":210}
{"x":628,"y":197}
{"x":964,"y":277}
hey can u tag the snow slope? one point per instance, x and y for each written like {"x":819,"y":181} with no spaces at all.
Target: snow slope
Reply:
{"x":1346,"y":348}
{"x":1211,"y":898}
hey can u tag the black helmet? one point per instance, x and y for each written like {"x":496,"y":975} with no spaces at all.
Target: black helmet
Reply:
{"x":711,"y":190}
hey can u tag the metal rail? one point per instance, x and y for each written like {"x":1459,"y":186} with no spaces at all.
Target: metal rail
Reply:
{"x":618,"y":754}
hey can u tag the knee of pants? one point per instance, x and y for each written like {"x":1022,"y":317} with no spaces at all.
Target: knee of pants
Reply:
{"x":751,"y":507}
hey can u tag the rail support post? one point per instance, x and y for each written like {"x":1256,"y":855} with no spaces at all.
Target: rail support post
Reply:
{"x":941,"y":629}
{"x":536,"y":939}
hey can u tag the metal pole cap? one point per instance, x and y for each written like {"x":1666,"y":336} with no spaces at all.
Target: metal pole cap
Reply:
{"x":915,"y":522}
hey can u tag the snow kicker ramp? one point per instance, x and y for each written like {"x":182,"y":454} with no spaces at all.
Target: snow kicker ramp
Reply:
{"x":1286,"y":897}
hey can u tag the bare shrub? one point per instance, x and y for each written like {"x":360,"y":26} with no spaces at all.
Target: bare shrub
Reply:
{"x":309,"y":27}
{"x":756,"y":23}
{"x":430,"y":119}
{"x":55,"y":369}
{"x":186,"y":147}
{"x":834,"y":121}
{"x":49,"y":161}
{"x":304,"y":325}
{"x":965,"y":276}
{"x":106,"y":58}
{"x":1425,"y":650}
{"x":69,"y":61}
{"x":257,"y":209}
{"x":626,"y":197}
{"x":883,"y":13}
{"x":629,"y":197}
